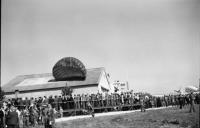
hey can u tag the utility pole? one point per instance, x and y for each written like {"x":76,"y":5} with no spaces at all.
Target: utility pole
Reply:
{"x":199,"y":83}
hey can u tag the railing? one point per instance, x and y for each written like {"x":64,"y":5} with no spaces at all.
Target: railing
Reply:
{"x":78,"y":107}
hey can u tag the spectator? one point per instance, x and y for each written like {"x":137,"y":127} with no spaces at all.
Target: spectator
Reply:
{"x":51,"y":116}
{"x":26,"y":102}
{"x":192,"y":102}
{"x":12,"y":120}
{"x":61,"y":112}
{"x":90,"y":108}
{"x":2,"y":116}
{"x":56,"y":102}
{"x":142,"y":104}
{"x":51,"y":100}
{"x":59,"y":101}
{"x":45,"y":100}
{"x":25,"y":114}
{"x":180,"y":99}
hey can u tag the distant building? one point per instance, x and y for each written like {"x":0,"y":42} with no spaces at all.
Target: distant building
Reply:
{"x":37,"y":85}
{"x":121,"y":86}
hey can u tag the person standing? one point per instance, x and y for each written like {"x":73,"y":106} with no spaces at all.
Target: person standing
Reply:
{"x":51,"y":116}
{"x":32,"y":101}
{"x":76,"y":101}
{"x":180,"y":99}
{"x":26,"y":102}
{"x":71,"y":102}
{"x":90,"y":108}
{"x":98,"y":99}
{"x":12,"y":120}
{"x":45,"y":101}
{"x":31,"y":116}
{"x":59,"y":101}
{"x":61,"y":112}
{"x":2,"y":116}
{"x":83,"y":100}
{"x":56,"y":102}
{"x":25,"y":114}
{"x":64,"y":101}
{"x":142,"y":104}
{"x":51,"y":100}
{"x":45,"y":116}
{"x":79,"y":101}
{"x":20,"y":116}
{"x":191,"y":97}
{"x":68,"y":102}
{"x":166,"y":101}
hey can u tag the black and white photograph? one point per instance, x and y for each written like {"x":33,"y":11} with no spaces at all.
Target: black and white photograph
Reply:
{"x":100,"y":64}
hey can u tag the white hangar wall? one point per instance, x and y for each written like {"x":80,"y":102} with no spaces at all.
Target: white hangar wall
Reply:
{"x":36,"y":94}
{"x":85,"y":90}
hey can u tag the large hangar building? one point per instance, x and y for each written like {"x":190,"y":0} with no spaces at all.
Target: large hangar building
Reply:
{"x":37,"y":85}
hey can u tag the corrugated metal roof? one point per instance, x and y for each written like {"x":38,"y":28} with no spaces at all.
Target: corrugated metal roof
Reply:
{"x":41,"y":81}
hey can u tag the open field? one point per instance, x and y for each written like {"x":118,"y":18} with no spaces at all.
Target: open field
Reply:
{"x":171,"y":117}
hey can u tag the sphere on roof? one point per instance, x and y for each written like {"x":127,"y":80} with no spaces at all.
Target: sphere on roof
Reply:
{"x":69,"y":68}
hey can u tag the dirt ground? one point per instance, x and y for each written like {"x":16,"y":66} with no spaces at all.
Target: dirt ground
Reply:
{"x":172,"y":117}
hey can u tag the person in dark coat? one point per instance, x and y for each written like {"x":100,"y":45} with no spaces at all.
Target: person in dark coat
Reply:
{"x":59,"y":101}
{"x":191,"y":97}
{"x":12,"y":120}
{"x":180,"y":99}
{"x":71,"y":102}
{"x":68,"y":102}
{"x":2,"y":116}
{"x":158,"y":102}
{"x":56,"y":102}
{"x":51,"y":100}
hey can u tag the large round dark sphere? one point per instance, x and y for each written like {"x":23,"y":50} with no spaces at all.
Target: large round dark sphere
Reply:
{"x":69,"y":68}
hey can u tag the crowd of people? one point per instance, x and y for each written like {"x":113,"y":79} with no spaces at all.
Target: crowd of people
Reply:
{"x":23,"y":113}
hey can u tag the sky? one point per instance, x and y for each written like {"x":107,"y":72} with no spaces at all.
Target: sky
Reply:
{"x":152,"y":44}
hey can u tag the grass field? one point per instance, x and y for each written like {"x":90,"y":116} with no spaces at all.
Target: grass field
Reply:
{"x":172,"y":117}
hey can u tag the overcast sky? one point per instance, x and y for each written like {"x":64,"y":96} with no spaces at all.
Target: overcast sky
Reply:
{"x":152,"y":44}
